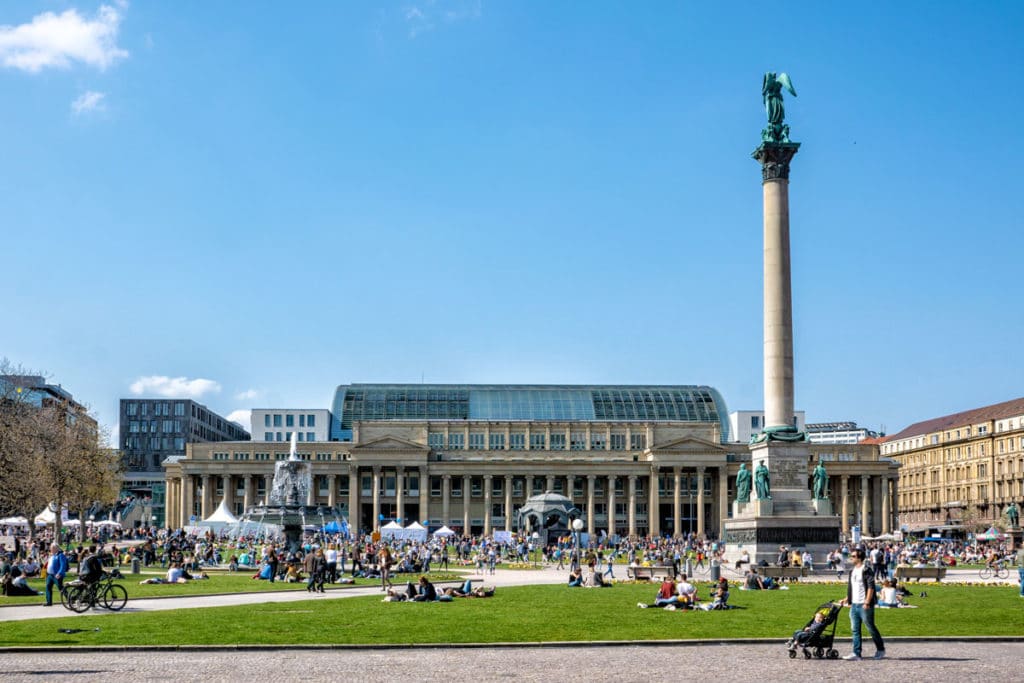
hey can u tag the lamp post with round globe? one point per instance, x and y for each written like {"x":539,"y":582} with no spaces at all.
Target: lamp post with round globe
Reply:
{"x":577,"y":527}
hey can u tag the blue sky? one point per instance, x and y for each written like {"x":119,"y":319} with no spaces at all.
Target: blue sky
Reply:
{"x":255,"y":202}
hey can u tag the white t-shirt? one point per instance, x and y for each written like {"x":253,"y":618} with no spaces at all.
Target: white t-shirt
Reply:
{"x":174,"y":573}
{"x":330,"y":555}
{"x":857,"y":593}
{"x":685,"y":589}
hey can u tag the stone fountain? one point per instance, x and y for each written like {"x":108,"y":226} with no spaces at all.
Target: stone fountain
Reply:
{"x":286,"y":510}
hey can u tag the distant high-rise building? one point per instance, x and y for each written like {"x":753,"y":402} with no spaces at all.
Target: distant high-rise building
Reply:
{"x":34,"y":390}
{"x":154,"y":429}
{"x":277,"y":424}
{"x":838,"y":432}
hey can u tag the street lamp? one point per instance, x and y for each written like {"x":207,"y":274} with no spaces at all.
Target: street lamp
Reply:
{"x":577,"y":527}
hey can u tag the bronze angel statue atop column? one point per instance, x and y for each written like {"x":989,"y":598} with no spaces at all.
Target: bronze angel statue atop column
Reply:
{"x":771,"y":91}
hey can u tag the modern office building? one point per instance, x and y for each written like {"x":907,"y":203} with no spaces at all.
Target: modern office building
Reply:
{"x":154,"y":429}
{"x":35,"y":390}
{"x":838,"y":432}
{"x":744,"y":424}
{"x":277,"y":424}
{"x":960,"y":471}
{"x":636,"y":460}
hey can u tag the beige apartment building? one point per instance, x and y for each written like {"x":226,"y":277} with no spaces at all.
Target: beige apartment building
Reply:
{"x":636,"y":461}
{"x":960,"y":471}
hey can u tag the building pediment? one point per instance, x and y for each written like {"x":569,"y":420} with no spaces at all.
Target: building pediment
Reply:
{"x":390,"y":444}
{"x":689,"y":444}
{"x":687,"y":451}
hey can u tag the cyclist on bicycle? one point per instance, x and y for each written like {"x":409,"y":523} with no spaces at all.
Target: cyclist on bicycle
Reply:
{"x":90,"y":570}
{"x":993,"y":561}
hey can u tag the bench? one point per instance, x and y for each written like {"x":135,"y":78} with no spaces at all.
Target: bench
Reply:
{"x":783,"y":573}
{"x":648,"y":573}
{"x":918,"y":573}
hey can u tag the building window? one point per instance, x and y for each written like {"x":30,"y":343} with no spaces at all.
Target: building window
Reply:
{"x":456,"y":441}
{"x":476,"y":487}
{"x":456,"y":487}
{"x":179,"y":444}
{"x":517,"y":441}
{"x":435,"y":439}
{"x":289,"y":420}
{"x":310,"y":436}
{"x":497,"y":442}
{"x":268,"y":436}
{"x":578,"y":441}
{"x":536,"y":441}
{"x":517,"y":487}
{"x":143,"y":407}
{"x":179,"y":410}
{"x":301,"y":436}
{"x":311,"y":421}
{"x":755,"y":421}
{"x":343,"y":484}
{"x":597,"y":441}
{"x":435,"y":487}
{"x":498,"y":486}
{"x":302,"y":420}
{"x":131,"y":409}
{"x":638,"y":442}
{"x":618,"y":442}
{"x":476,"y":441}
{"x":277,"y":420}
{"x":557,"y":442}
{"x":266,"y":420}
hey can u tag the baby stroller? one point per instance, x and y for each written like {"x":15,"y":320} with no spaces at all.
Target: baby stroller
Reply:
{"x":816,"y":639}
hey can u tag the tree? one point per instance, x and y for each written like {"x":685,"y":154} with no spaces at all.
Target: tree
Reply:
{"x":20,"y":489}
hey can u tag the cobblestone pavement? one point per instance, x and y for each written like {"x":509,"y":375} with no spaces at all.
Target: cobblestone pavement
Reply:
{"x":907,"y":661}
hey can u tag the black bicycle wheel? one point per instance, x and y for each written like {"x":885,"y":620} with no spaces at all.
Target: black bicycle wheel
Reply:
{"x":64,"y":595}
{"x":1002,"y":572}
{"x":80,"y":600}
{"x":115,"y":597}
{"x":985,"y":574}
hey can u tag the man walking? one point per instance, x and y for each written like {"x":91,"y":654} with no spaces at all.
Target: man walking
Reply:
{"x":56,"y":570}
{"x":860,"y":598}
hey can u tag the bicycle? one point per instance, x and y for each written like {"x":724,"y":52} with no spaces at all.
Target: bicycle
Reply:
{"x":80,"y":597}
{"x":997,"y":570}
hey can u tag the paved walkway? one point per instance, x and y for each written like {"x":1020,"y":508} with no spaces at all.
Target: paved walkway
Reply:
{"x":907,"y":661}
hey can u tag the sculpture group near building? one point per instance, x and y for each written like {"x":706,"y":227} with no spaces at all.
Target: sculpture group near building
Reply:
{"x":820,"y":482}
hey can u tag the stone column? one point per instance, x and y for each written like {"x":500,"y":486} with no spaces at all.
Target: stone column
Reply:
{"x":247,"y":488}
{"x":227,"y":493}
{"x":446,"y":498}
{"x":611,"y":504}
{"x":508,"y":502}
{"x":206,"y":506}
{"x":653,"y":507}
{"x":865,"y":504}
{"x":590,"y":503}
{"x":400,"y":495}
{"x":311,"y":494}
{"x":723,"y":498}
{"x":465,"y":502}
{"x":354,"y":503}
{"x":528,"y":491}
{"x":424,"y":494}
{"x":549,"y":485}
{"x":844,"y":486}
{"x":188,"y":497}
{"x":487,"y":504}
{"x":894,"y":513}
{"x":375,"y":523}
{"x":268,"y":485}
{"x":778,"y":307}
{"x":885,"y":506}
{"x":631,"y":512}
{"x":677,"y":509}
{"x":332,"y":490}
{"x":700,"y":501}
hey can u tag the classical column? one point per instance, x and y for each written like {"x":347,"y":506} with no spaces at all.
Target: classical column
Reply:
{"x":677,"y":509}
{"x":723,"y":498}
{"x":487,"y":504}
{"x":188,"y":497}
{"x":465,"y":504}
{"x":632,"y":506}
{"x":508,"y":502}
{"x":206,"y":506}
{"x":247,"y":491}
{"x":895,"y":505}
{"x":700,"y":501}
{"x":375,"y":523}
{"x":424,"y":495}
{"x":227,"y":494}
{"x":778,"y":298}
{"x":311,"y":494}
{"x":549,"y":485}
{"x":332,"y":490}
{"x":653,"y":506}
{"x":268,"y":485}
{"x":590,"y":503}
{"x":865,"y":503}
{"x":400,"y":495}
{"x":844,"y":486}
{"x":528,"y":491}
{"x":885,"y":506}
{"x":355,"y":512}
{"x":446,"y":499}
{"x":611,"y":504}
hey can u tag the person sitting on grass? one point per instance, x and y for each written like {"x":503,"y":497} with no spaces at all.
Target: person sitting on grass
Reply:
{"x":18,"y":585}
{"x":427,"y":592}
{"x":720,"y":594}
{"x":756,"y":582}
{"x":686,"y":591}
{"x":889,"y":596}
{"x":575,"y":577}
{"x":666,"y":597}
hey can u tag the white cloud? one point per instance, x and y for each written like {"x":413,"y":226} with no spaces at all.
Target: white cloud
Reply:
{"x":177,"y":387}
{"x":57,"y":40}
{"x":88,"y":101}
{"x":242,"y":417}
{"x":247,"y":395}
{"x":427,"y":14}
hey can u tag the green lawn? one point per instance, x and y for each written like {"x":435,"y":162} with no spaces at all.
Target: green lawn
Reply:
{"x":219,"y":582}
{"x":526,"y":614}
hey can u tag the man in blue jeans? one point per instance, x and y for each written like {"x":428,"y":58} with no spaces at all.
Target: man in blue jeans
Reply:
{"x":56,"y":570}
{"x":860,"y":598}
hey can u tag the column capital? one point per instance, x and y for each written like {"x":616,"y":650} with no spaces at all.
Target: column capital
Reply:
{"x":774,"y":158}
{"x":446,"y":477}
{"x":591,"y":477}
{"x":377,"y":470}
{"x":488,"y":477}
{"x":701,"y":469}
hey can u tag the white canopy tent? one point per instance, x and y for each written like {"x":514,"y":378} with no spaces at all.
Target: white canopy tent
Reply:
{"x":13,"y":521}
{"x":392,"y":530}
{"x":49,"y":516}
{"x":415,"y":532}
{"x":443,"y":532}
{"x":221,"y":518}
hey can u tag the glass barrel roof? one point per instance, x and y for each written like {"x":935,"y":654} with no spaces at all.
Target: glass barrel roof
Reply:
{"x":556,"y":403}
